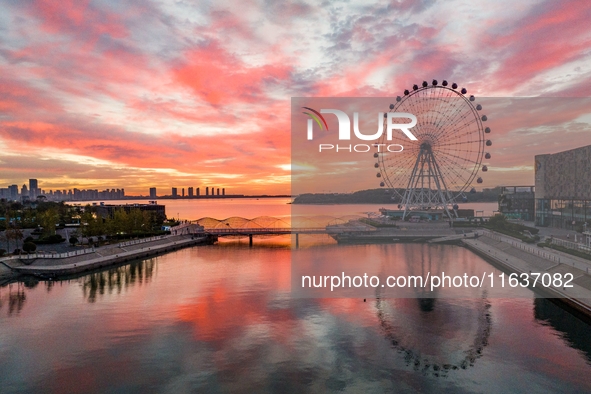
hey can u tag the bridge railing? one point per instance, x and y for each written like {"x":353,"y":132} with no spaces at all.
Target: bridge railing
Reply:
{"x":262,"y":230}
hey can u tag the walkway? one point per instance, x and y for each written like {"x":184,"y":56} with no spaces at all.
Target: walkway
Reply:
{"x":110,"y":256}
{"x":523,"y":258}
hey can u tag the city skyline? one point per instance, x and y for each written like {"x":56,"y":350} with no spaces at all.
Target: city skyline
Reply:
{"x":11,"y":192}
{"x":88,"y":98}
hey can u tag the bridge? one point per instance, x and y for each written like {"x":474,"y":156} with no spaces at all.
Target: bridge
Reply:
{"x":268,"y":226}
{"x":252,"y":232}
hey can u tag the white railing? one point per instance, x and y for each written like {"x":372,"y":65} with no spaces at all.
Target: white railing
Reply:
{"x":525,"y":247}
{"x":141,"y":241}
{"x":571,"y":245}
{"x":46,"y":255}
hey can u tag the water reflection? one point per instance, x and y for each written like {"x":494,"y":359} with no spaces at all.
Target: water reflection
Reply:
{"x":116,"y":279}
{"x":222,"y":319}
{"x":13,"y":296}
{"x":574,"y":330}
{"x":449,"y":323}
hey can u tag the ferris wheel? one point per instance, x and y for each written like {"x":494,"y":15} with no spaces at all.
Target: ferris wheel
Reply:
{"x":435,"y":170}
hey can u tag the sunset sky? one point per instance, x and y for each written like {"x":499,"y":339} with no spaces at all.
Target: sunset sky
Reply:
{"x":138,"y":94}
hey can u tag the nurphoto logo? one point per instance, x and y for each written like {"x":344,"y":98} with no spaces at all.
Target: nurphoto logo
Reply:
{"x":389,"y":122}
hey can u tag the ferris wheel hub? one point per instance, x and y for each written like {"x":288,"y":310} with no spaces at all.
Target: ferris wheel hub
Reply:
{"x":426,"y":146}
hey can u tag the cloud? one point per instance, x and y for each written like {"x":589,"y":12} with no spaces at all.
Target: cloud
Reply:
{"x":197,"y":89}
{"x":234,"y":81}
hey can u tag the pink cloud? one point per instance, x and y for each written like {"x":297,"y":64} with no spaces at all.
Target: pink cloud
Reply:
{"x":130,"y":85}
{"x":551,"y":35}
{"x":234,"y":81}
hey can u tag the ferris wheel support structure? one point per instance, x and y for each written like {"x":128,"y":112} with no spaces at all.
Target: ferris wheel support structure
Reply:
{"x":420,"y":191}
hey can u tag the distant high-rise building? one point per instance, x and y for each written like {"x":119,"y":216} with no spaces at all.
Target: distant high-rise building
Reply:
{"x":190,"y":191}
{"x":24,"y":191}
{"x":183,"y":191}
{"x":224,"y":191}
{"x":218,"y":191}
{"x":174,"y":192}
{"x":152,"y":192}
{"x":207,"y":191}
{"x":198,"y":191}
{"x":33,"y":188}
{"x":13,"y":192}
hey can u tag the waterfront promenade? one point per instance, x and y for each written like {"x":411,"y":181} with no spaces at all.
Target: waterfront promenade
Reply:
{"x":516,"y":257}
{"x":102,"y":257}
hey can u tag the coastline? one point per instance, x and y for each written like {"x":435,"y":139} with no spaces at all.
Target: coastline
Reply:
{"x":511,"y":256}
{"x":508,"y":254}
{"x":101,"y":258}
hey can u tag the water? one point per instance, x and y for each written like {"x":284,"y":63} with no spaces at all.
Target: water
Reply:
{"x":222,"y":318}
{"x":216,"y":208}
{"x":277,"y":207}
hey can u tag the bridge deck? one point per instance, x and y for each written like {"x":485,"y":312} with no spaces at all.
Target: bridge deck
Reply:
{"x":280,"y":231}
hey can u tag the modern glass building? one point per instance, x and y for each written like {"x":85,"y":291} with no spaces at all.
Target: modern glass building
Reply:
{"x":563,"y":189}
{"x":517,"y":202}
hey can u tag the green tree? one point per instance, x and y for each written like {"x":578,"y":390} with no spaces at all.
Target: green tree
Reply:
{"x":48,"y":219}
{"x":14,"y":233}
{"x":120,"y":222}
{"x":5,"y":238}
{"x":28,"y":218}
{"x":86,"y":224}
{"x":499,"y":221}
{"x":139,"y":221}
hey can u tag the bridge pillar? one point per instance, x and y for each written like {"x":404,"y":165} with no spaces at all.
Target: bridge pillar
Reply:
{"x":250,"y":240}
{"x":297,"y":240}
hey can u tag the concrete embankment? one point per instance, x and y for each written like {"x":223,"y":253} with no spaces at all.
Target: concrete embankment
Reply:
{"x":104,"y":257}
{"x":512,"y":257}
{"x":409,"y":232}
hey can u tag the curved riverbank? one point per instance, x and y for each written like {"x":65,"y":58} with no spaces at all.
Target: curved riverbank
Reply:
{"x":100,"y":258}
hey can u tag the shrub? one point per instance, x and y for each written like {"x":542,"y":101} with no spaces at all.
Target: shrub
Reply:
{"x":16,"y":251}
{"x":50,"y":239}
{"x":2,"y":252}
{"x":574,"y":252}
{"x":29,"y":247}
{"x":499,"y":220}
{"x":73,"y":240}
{"x":28,"y":239}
